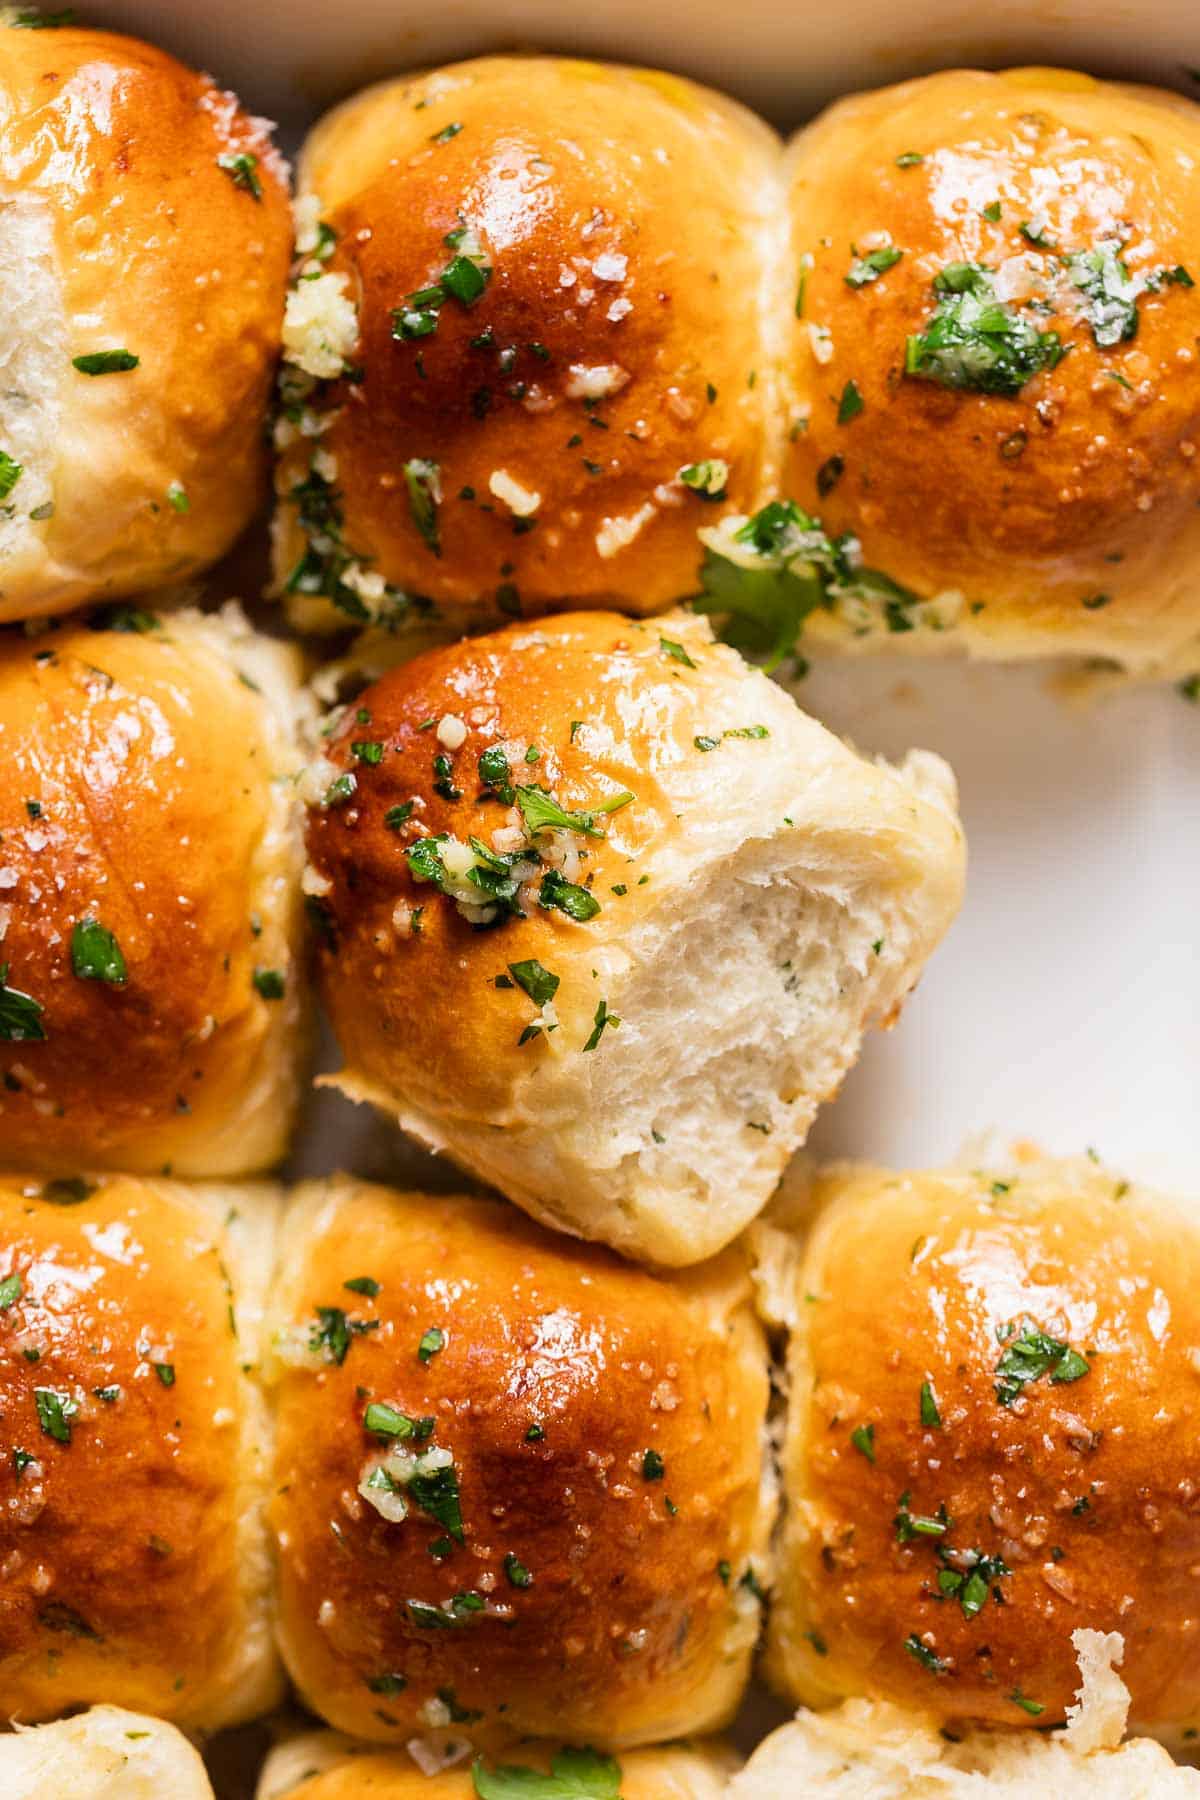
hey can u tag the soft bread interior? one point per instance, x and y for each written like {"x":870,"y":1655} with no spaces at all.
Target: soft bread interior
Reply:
{"x":104,"y":1754}
{"x":743,"y":999}
{"x":33,"y":357}
{"x":868,"y":1751}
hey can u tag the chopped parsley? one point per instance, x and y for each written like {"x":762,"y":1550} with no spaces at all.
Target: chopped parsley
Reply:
{"x":601,"y":1021}
{"x":868,"y":268}
{"x":341,"y":788}
{"x":445,"y":1618}
{"x":541,"y":811}
{"x":431,"y":1342}
{"x":1030,"y":1355}
{"x":362,"y":1284}
{"x":10,"y":474}
{"x":421,"y":478}
{"x":708,"y":479}
{"x":863,"y":1439}
{"x":446,"y":133}
{"x":538,"y":982}
{"x":930,"y":1416}
{"x":20,"y":1014}
{"x":976,"y":341}
{"x":367,"y":750}
{"x":1109,"y":293}
{"x":105,"y":362}
{"x":850,"y":404}
{"x":495,"y":773}
{"x":389,"y":1422}
{"x":333,"y":1331}
{"x":972,"y":1585}
{"x":574,"y":1775}
{"x":10,"y":1291}
{"x":1032,"y":1707}
{"x":567,"y":897}
{"x":387,"y":1684}
{"x":518,"y":1574}
{"x":910,"y":1525}
{"x":780,"y":565}
{"x":927,"y":1658}
{"x":396,"y":816}
{"x":653,"y":1466}
{"x":242,"y":169}
{"x":165,"y":1372}
{"x":908,"y":159}
{"x":96,"y":954}
{"x":436,"y":1493}
{"x":676,"y":652}
{"x":55,"y":1411}
{"x":269,"y":983}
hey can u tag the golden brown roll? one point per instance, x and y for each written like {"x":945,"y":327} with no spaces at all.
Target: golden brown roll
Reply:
{"x":528,"y":341}
{"x":606,"y":916}
{"x":102,"y":1754}
{"x":133,"y":1556}
{"x":520,"y":1485}
{"x":151,"y":986}
{"x":324,"y":1765}
{"x":994,"y":1391}
{"x":995,"y":382}
{"x":146,"y":239}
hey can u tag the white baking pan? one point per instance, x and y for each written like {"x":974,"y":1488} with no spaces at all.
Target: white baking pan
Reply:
{"x":1065,"y":1006}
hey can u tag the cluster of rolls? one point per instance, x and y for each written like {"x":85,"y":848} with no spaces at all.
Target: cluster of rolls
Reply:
{"x":595,"y":910}
{"x":497,"y":1501}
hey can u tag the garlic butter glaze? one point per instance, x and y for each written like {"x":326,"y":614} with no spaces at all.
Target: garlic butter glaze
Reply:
{"x":520,"y":1485}
{"x":1039,"y":495}
{"x":133,"y":1565}
{"x":562,"y":273}
{"x":994,"y":1403}
{"x":144,"y":246}
{"x":151,"y":1001}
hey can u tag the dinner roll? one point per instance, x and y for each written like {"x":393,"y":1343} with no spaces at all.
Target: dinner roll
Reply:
{"x":151,"y":1010}
{"x":994,"y":368}
{"x":324,"y":1765}
{"x":520,"y":1485}
{"x":606,"y":916}
{"x":133,"y":1557}
{"x":104,"y":1754}
{"x":994,"y":1391}
{"x":864,"y":1750}
{"x":143,"y":267}
{"x":530,"y":341}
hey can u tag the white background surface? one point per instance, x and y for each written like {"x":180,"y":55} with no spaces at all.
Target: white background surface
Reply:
{"x":1065,"y":1006}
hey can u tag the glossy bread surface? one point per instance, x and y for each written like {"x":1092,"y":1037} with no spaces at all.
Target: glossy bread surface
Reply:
{"x":623,"y":215}
{"x":1076,"y":1474}
{"x":131,"y":1568}
{"x":679,"y":1772}
{"x":126,"y":232}
{"x":1061,"y":516}
{"x":136,"y":792}
{"x":603,"y":1426}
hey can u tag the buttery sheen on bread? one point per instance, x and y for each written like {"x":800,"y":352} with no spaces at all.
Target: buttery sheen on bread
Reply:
{"x":994,"y":368}
{"x":133,"y":1555}
{"x":144,"y":248}
{"x":324,"y":1765}
{"x":605,"y":916}
{"x":994,"y":1393}
{"x":151,"y":1007}
{"x":520,"y":1486}
{"x":530,"y":339}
